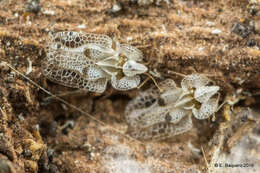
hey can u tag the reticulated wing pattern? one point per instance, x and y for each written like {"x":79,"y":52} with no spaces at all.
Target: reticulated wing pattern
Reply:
{"x":68,"y":60}
{"x":93,"y":46}
{"x":168,"y":84}
{"x":132,"y":52}
{"x":144,"y":110}
{"x":73,"y":61}
{"x":148,"y":119}
{"x":143,"y":118}
{"x":176,"y":114}
{"x":169,"y":113}
{"x":125,"y":83}
{"x":194,"y":81}
{"x":72,"y":78}
{"x":170,"y":96}
{"x":140,"y":104}
{"x":72,"y":40}
{"x":206,"y":110}
{"x":204,"y":93}
{"x":170,"y":93}
{"x":163,"y":130}
{"x":155,"y":115}
{"x":93,"y":73}
{"x":147,"y":98}
{"x":94,"y":54}
{"x":93,"y":57}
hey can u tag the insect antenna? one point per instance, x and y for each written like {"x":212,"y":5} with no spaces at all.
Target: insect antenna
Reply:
{"x":154,"y":81}
{"x":183,"y":75}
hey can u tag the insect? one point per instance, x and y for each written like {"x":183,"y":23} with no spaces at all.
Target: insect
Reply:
{"x":88,"y":61}
{"x":155,"y":115}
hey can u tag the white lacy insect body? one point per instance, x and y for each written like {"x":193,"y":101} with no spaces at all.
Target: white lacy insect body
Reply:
{"x":155,"y":115}
{"x":89,"y":61}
